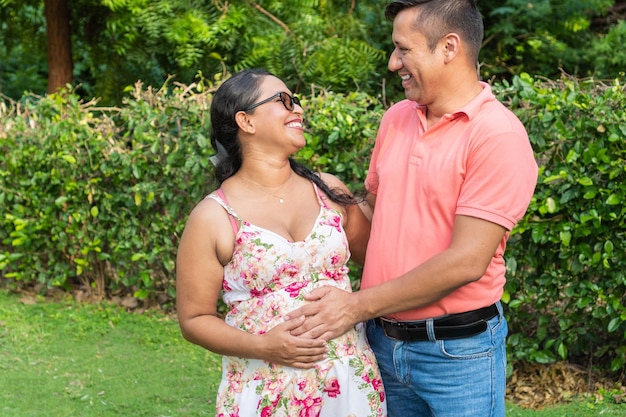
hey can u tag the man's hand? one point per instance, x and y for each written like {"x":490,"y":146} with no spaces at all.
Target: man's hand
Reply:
{"x":281,"y":347}
{"x":331,"y":313}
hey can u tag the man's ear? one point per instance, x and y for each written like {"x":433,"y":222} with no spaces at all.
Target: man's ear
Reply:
{"x":244,"y":122}
{"x":451,"y":44}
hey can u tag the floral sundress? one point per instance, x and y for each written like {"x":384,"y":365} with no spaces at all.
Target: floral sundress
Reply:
{"x":266,"y":279}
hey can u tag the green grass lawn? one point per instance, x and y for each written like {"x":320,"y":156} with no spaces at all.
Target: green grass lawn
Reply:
{"x":580,"y":408}
{"x":66,"y":359}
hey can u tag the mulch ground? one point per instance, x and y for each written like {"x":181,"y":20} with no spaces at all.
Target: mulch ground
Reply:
{"x":534,"y":385}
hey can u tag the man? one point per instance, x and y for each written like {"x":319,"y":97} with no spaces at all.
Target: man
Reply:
{"x":451,"y":173}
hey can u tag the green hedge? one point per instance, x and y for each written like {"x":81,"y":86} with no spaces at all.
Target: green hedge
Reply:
{"x":97,"y":198}
{"x":567,"y":259}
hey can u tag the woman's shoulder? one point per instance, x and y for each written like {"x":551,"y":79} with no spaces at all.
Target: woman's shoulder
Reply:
{"x":209,"y":228}
{"x":333,"y":181}
{"x":209,"y":210}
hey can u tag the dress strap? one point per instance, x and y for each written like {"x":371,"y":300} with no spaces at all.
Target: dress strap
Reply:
{"x":220,"y":192}
{"x":235,"y":220}
{"x":321,"y":197}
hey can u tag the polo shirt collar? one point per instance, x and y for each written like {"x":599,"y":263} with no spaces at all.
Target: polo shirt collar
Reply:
{"x":471,"y":109}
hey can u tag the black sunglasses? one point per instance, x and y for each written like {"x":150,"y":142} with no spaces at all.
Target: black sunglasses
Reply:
{"x":288,"y":101}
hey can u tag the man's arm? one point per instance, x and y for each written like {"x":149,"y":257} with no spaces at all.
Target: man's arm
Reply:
{"x":332,"y":312}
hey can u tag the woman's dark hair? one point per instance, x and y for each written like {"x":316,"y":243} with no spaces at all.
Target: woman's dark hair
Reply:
{"x":234,"y":95}
{"x":440,"y":17}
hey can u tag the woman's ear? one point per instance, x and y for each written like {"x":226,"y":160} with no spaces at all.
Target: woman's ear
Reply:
{"x":244,"y":122}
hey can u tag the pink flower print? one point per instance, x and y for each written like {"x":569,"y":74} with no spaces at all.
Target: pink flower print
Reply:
{"x":334,"y":221}
{"x":294,"y":288}
{"x":244,"y":276}
{"x":377,"y":383}
{"x":290,"y":270}
{"x":310,"y":406}
{"x":335,"y":275}
{"x":301,"y":384}
{"x":258,"y":255}
{"x":255,"y":292}
{"x":244,"y":236}
{"x":267,"y":411}
{"x":249,"y":324}
{"x":274,"y":386}
{"x":270,"y":312}
{"x":234,"y":377}
{"x":332,"y":388}
{"x":259,"y":292}
{"x":336,"y":259}
{"x":348,"y":348}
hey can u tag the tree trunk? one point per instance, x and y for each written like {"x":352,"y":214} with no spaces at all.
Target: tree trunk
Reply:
{"x":60,"y":65}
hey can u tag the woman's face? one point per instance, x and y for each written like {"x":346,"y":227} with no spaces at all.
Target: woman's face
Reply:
{"x":273,"y":123}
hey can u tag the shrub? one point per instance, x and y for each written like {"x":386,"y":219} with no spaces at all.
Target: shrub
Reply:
{"x":98,"y":197}
{"x":566,"y":259}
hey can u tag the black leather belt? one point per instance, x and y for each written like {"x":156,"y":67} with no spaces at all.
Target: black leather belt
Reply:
{"x":452,"y":326}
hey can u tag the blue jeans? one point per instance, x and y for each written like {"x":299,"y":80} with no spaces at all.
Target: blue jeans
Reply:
{"x":444,"y":378}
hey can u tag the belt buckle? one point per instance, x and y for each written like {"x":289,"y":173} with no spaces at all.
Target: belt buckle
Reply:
{"x":396,"y":328}
{"x":384,"y":322}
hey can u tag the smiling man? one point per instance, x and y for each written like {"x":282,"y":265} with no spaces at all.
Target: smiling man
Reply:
{"x":451,"y":173}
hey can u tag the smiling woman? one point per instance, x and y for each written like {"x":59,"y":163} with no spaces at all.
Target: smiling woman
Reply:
{"x":271,"y":232}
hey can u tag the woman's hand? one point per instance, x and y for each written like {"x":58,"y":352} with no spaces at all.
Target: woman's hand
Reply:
{"x":280,"y":347}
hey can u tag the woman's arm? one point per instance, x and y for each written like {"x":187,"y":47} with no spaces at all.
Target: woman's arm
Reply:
{"x":206,"y":245}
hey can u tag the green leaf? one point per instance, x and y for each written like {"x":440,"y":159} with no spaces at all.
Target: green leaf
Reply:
{"x":543,"y":357}
{"x":69,"y":158}
{"x":613,"y":199}
{"x":137,"y":256}
{"x":614,"y":324}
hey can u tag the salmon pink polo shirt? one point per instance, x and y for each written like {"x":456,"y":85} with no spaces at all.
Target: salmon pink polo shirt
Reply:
{"x":475,"y":162}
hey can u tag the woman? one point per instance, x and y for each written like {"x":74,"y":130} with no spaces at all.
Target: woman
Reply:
{"x":273,"y":231}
